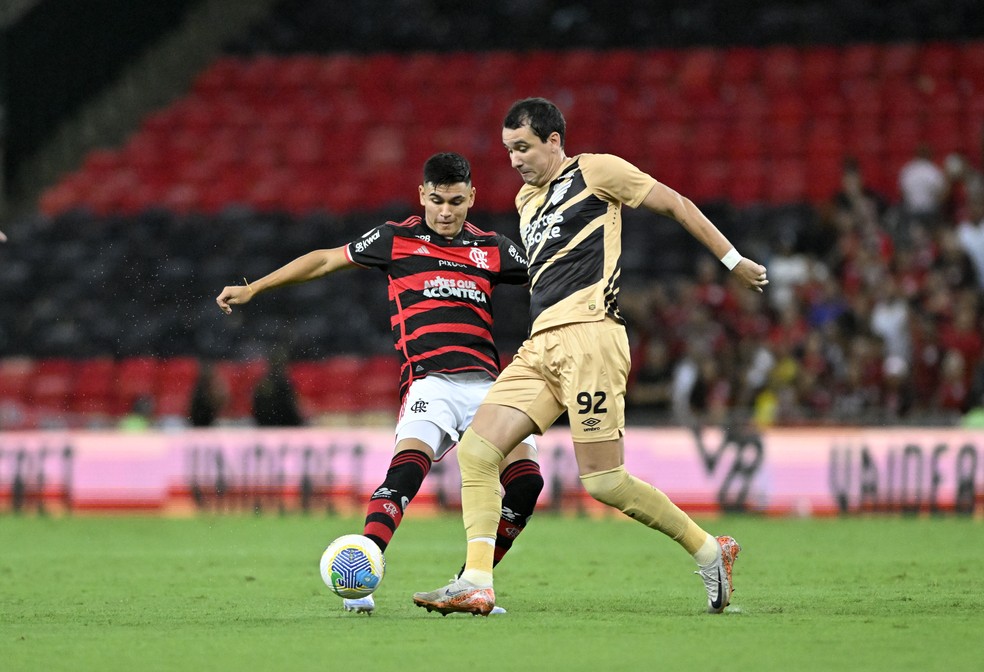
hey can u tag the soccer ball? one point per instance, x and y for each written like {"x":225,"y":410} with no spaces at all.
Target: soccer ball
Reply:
{"x":352,"y":566}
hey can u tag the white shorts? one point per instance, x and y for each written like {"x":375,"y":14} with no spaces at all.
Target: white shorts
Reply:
{"x":447,"y":401}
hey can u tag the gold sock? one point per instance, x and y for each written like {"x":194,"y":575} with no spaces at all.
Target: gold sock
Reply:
{"x":478,"y":562}
{"x":641,"y":501}
{"x":481,"y":498}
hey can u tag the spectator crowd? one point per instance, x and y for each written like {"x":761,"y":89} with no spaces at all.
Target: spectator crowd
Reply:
{"x":875,"y":317}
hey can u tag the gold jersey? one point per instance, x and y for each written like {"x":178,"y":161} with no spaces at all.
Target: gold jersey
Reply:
{"x":572,"y":230}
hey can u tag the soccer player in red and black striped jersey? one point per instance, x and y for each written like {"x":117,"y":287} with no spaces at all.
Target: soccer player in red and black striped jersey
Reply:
{"x":441,"y":271}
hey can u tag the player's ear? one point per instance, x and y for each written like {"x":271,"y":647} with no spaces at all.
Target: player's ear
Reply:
{"x":471,"y":197}
{"x":423,"y":192}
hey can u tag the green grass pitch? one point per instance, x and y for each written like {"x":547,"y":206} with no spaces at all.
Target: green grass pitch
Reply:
{"x":244,"y":593}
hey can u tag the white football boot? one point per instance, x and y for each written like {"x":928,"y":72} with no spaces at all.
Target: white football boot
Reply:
{"x":363,"y":605}
{"x":717,"y":576}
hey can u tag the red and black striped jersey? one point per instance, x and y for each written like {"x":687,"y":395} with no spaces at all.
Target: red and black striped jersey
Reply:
{"x":440,"y":293}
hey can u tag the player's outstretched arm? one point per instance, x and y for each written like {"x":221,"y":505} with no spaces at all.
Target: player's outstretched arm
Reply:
{"x":306,"y":267}
{"x":665,"y":201}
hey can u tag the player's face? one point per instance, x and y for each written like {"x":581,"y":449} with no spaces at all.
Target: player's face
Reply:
{"x":537,"y":161}
{"x":446,"y":206}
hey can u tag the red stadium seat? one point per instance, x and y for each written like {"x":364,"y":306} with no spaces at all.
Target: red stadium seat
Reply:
{"x":785,"y":138}
{"x":380,"y":384}
{"x":864,"y":99}
{"x":52,"y":384}
{"x":898,"y":61}
{"x":745,"y":141}
{"x":938,"y":60}
{"x":177,"y":377}
{"x":945,"y":135}
{"x":329,"y":386}
{"x":342,"y":376}
{"x":708,"y":140}
{"x":820,"y":70}
{"x":697,"y":75}
{"x":617,"y":66}
{"x":16,"y":374}
{"x":275,"y":131}
{"x":746,"y":185}
{"x":656,"y":68}
{"x":240,"y":378}
{"x":787,"y":182}
{"x":709,"y":181}
{"x":750,"y":103}
{"x":970,"y":65}
{"x":95,"y":387}
{"x":136,"y":377}
{"x":781,"y":68}
{"x":904,"y":134}
{"x":859,"y":61}
{"x":740,"y":64}
{"x":823,"y":176}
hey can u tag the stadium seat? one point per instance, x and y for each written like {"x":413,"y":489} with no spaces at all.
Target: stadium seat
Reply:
{"x":938,"y":60}
{"x":786,"y":182}
{"x":342,"y":378}
{"x":94,"y":392}
{"x":785,"y":138}
{"x":970,"y":63}
{"x":16,"y":374}
{"x":52,"y":384}
{"x":744,"y":141}
{"x":898,"y":61}
{"x":750,"y":103}
{"x":380,"y":384}
{"x":136,"y":377}
{"x":859,"y":61}
{"x":781,"y":69}
{"x":709,"y":181}
{"x":266,"y":131}
{"x":820,"y":70}
{"x":746,"y":185}
{"x":655,"y":68}
{"x":240,"y":378}
{"x":740,"y":65}
{"x":177,"y":378}
{"x":823,"y":176}
{"x":708,"y":140}
{"x":618,"y":66}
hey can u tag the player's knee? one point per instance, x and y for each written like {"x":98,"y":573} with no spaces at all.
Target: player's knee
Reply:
{"x":477,"y":456}
{"x":608,"y":487}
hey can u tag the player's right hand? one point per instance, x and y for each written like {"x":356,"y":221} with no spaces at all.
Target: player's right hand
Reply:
{"x":233,"y":296}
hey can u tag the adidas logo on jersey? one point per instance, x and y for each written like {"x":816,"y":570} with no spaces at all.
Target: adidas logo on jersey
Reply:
{"x":422,"y":250}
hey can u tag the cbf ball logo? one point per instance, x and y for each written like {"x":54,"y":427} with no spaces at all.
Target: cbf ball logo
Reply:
{"x":351,"y":570}
{"x":352,"y":566}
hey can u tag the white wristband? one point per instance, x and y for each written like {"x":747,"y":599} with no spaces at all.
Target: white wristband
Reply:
{"x":731,"y":259}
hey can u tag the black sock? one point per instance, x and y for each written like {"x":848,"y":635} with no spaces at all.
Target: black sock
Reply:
{"x":387,"y":504}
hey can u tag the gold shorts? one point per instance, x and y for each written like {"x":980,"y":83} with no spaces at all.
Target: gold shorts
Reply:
{"x":582,"y":368}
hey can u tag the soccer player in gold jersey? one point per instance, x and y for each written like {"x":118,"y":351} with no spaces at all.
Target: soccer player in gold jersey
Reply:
{"x":577,"y":356}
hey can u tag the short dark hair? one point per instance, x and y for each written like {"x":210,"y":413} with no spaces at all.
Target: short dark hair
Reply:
{"x":447,"y":168}
{"x":542,"y":116}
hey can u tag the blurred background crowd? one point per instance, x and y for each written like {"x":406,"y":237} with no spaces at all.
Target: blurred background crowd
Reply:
{"x":154,"y":154}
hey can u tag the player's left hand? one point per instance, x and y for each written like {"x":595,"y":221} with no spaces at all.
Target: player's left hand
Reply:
{"x":752,"y":274}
